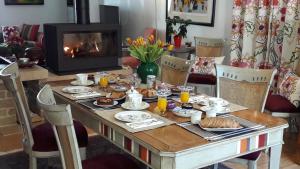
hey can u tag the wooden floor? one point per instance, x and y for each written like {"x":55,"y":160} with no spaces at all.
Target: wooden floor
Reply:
{"x":288,"y":158}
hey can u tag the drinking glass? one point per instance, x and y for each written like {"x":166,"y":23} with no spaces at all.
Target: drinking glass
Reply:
{"x":162,"y":104}
{"x":184,"y":96}
{"x":185,"y":93}
{"x":103,"y":81}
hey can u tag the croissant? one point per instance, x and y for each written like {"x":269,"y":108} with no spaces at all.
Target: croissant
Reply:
{"x":218,"y":122}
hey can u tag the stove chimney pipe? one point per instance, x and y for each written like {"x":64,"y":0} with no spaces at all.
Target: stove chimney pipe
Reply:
{"x":82,"y":11}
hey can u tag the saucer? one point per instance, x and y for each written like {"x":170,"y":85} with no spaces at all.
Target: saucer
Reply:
{"x":128,"y":106}
{"x":77,"y":83}
{"x":217,"y":111}
{"x":183,"y":112}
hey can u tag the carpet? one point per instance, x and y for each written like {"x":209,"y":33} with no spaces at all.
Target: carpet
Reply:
{"x":97,"y":145}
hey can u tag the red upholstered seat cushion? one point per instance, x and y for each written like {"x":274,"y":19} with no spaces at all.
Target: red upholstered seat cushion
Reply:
{"x":278,"y":103}
{"x":44,"y":138}
{"x":251,"y":156}
{"x":130,"y":61}
{"x":202,"y":79}
{"x":111,"y":161}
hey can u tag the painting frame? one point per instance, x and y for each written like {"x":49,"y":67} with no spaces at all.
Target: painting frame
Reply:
{"x":16,"y":2}
{"x":204,"y":19}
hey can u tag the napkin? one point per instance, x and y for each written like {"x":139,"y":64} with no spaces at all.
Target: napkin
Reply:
{"x":86,"y":95}
{"x":145,"y":123}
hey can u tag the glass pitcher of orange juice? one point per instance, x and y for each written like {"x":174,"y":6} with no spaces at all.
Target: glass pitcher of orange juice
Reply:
{"x":103,"y":81}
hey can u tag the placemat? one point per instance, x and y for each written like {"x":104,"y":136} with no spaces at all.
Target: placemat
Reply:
{"x":248,"y":127}
{"x":58,"y":89}
{"x":109,"y":116}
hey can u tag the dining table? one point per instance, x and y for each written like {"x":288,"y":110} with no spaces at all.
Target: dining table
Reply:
{"x":174,"y":147}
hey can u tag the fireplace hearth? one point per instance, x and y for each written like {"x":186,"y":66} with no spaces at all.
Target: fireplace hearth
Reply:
{"x":82,"y":47}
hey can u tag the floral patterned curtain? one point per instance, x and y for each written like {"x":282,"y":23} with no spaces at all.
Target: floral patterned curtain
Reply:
{"x":266,"y":34}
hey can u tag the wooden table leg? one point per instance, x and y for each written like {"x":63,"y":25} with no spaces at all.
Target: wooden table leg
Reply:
{"x":274,"y":154}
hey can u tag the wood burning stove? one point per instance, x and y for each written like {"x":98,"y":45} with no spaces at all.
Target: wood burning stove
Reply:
{"x":82,"y":47}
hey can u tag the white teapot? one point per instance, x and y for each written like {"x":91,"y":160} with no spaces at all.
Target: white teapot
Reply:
{"x":129,"y":92}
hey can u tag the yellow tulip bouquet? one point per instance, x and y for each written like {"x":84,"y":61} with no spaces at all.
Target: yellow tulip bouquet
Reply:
{"x":147,"y":51}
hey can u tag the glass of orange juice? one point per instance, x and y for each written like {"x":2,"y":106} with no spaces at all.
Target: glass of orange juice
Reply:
{"x":185,"y":93}
{"x":103,"y":81}
{"x":162,"y":103}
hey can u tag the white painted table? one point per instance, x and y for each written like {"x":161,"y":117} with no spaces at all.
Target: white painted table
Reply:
{"x":173,"y":147}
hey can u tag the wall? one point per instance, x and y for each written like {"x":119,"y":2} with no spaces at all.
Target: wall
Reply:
{"x":138,"y":14}
{"x":53,"y":11}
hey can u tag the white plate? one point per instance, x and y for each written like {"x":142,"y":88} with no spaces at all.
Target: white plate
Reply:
{"x":183,"y":112}
{"x":104,"y":105}
{"x":77,"y":89}
{"x":221,"y":129}
{"x":77,"y":83}
{"x":132,"y":116}
{"x":220,"y":111}
{"x":128,"y":106}
{"x":119,"y":88}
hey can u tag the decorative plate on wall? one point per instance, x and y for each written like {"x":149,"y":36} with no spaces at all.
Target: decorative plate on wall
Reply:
{"x":24,"y":2}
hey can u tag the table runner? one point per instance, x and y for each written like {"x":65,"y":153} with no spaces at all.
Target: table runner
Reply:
{"x":213,"y":136}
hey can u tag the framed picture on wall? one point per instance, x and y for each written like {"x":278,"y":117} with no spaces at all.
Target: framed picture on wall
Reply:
{"x":24,"y":2}
{"x":70,"y":2}
{"x":201,"y":12}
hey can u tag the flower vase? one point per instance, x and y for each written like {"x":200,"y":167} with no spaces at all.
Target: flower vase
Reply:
{"x":146,"y":69}
{"x":177,"y":41}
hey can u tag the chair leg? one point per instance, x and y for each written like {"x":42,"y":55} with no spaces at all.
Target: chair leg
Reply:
{"x":32,"y":162}
{"x":82,"y":152}
{"x":293,"y":124}
{"x":252,"y":164}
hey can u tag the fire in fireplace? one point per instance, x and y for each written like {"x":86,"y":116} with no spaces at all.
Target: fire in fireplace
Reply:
{"x":88,"y":44}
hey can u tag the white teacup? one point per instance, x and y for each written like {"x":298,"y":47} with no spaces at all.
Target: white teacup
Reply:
{"x":214,"y":101}
{"x":135,"y":100}
{"x":211,"y":113}
{"x":82,"y":78}
{"x":196,"y":117}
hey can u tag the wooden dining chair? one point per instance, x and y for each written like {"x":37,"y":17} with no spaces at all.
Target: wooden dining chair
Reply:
{"x":38,"y":141}
{"x":245,"y":87}
{"x":207,"y":49}
{"x":175,"y":70}
{"x":60,"y":118}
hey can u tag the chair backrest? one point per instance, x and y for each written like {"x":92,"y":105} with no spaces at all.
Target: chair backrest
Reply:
{"x":208,"y":47}
{"x":245,"y":87}
{"x":60,"y":117}
{"x":11,"y":79}
{"x":175,"y":70}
